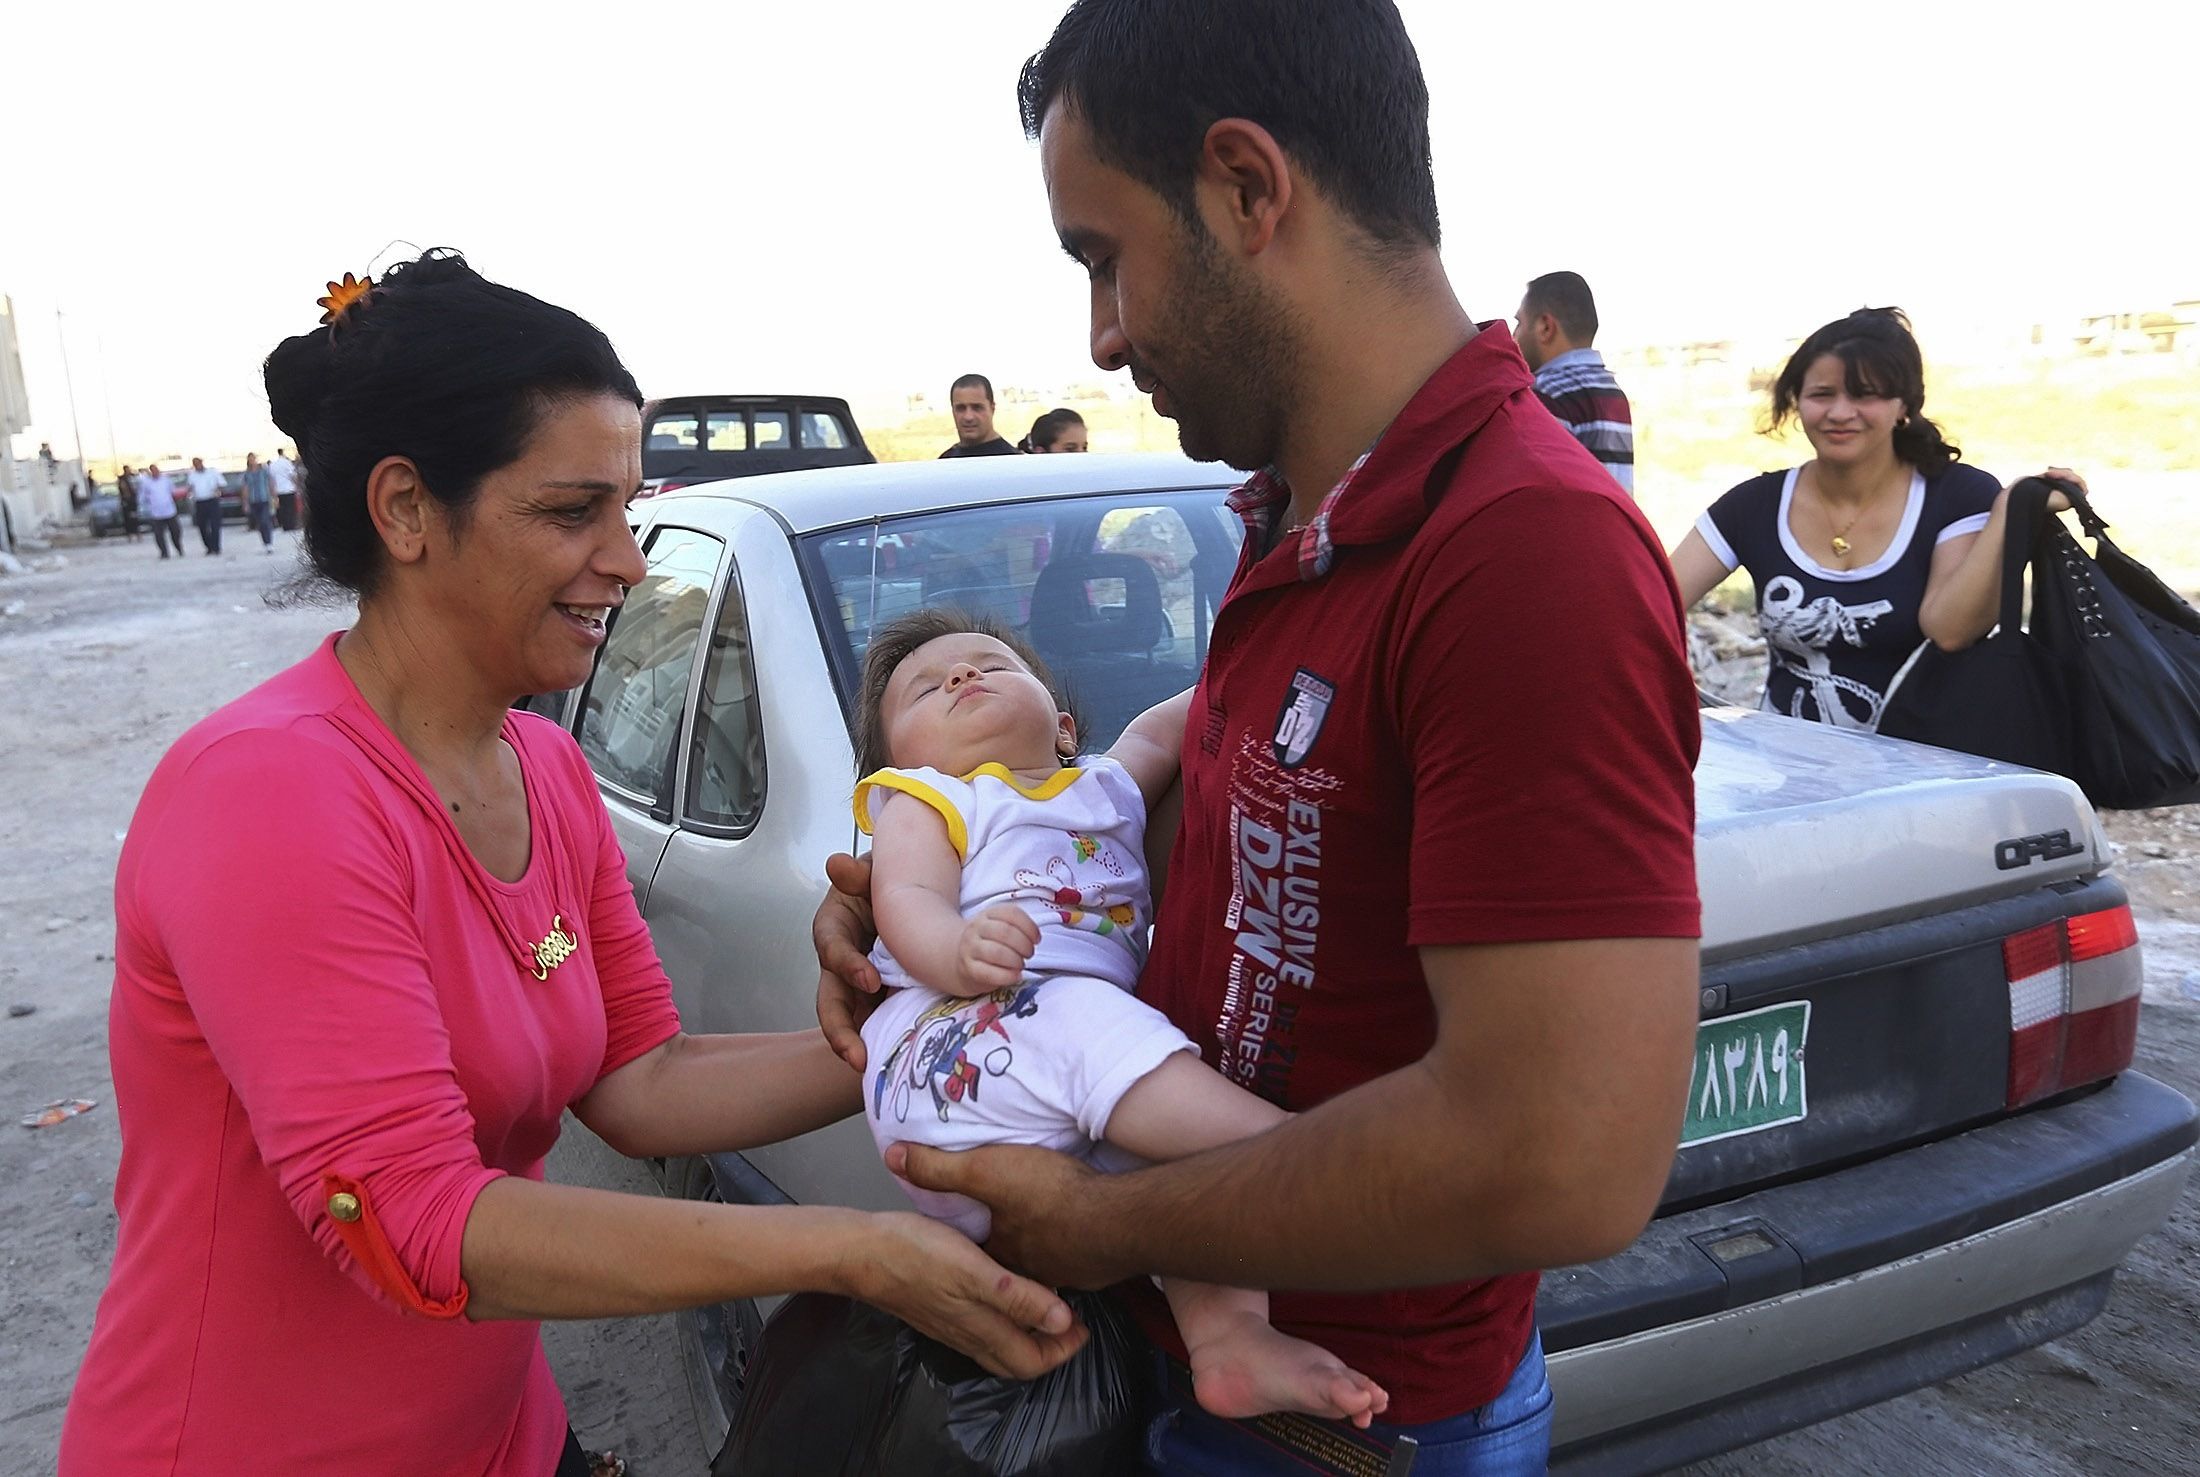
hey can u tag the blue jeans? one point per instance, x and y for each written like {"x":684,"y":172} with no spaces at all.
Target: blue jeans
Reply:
{"x":1509,"y":1437}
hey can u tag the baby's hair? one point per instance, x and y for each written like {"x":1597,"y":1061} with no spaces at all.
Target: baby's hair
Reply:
{"x":899,"y":639}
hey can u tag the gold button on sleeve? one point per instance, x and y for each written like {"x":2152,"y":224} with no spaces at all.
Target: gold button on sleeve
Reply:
{"x":344,"y":1206}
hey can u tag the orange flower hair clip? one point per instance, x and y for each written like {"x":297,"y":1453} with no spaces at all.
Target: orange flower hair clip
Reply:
{"x":344,"y":296}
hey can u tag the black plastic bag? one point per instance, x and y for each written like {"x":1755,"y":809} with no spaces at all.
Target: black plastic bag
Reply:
{"x":2130,"y":653}
{"x":840,"y":1389}
{"x":2005,"y":697}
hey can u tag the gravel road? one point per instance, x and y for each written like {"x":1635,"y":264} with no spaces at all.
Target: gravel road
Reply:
{"x":114,"y":655}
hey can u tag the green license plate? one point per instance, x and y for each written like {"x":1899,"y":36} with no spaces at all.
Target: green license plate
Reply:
{"x":1749,"y":1073}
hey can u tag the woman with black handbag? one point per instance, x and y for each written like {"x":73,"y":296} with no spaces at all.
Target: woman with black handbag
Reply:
{"x":1883,"y":540}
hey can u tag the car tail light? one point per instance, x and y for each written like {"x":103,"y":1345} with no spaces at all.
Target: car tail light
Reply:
{"x":651,"y":489}
{"x":2073,"y":1002}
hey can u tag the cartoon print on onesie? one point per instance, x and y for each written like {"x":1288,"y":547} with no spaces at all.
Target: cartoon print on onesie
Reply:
{"x":1080,"y":906}
{"x":940,"y":1062}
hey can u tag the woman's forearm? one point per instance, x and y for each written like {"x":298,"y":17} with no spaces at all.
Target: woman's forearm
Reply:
{"x":1964,"y":604}
{"x":710,"y":1094}
{"x":534,"y":1250}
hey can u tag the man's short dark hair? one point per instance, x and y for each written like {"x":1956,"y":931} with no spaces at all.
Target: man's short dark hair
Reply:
{"x":972,"y":382}
{"x":1565,"y":296}
{"x":1337,"y":82}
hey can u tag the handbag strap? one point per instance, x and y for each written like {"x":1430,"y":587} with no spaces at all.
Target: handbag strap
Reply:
{"x":2095,"y":525}
{"x":2024,"y":516}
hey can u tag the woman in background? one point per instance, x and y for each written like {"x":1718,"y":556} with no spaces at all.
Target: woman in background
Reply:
{"x":1882,"y":540}
{"x":1057,"y":430}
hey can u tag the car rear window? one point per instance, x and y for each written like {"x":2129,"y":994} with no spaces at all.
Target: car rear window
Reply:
{"x":822,"y":431}
{"x":1117,"y":594}
{"x":726,"y":430}
{"x":673,"y":432}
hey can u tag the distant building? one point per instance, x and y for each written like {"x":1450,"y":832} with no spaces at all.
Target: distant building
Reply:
{"x":2145,"y":331}
{"x":35,"y":489}
{"x":15,"y":399}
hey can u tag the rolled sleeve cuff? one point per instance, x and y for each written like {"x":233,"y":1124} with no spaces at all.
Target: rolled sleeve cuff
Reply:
{"x":426,"y":1276}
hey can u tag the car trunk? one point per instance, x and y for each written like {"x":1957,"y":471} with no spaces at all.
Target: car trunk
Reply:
{"x":1878,"y":917}
{"x":1806,"y":832}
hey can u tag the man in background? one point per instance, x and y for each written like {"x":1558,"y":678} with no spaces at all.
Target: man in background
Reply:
{"x":259,"y":510}
{"x":971,"y":398}
{"x":1558,"y":325}
{"x":157,"y":499}
{"x":126,"y":503}
{"x":206,"y":504}
{"x":282,"y":474}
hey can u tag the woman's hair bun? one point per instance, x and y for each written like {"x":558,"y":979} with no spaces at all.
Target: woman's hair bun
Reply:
{"x":440,"y":366}
{"x":297,"y":377}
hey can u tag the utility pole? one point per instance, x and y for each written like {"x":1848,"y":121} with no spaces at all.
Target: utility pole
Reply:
{"x":76,"y":431}
{"x":114,"y":447}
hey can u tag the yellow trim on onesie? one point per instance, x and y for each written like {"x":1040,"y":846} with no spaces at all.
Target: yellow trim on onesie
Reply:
{"x":886,"y":779}
{"x":958,"y":830}
{"x":1046,"y":789}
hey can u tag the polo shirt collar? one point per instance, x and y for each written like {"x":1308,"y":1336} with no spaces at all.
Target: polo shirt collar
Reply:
{"x":1384,"y":494}
{"x":1586,"y":358}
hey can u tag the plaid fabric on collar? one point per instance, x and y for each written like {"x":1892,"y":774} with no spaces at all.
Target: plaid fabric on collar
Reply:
{"x":1266,"y":497}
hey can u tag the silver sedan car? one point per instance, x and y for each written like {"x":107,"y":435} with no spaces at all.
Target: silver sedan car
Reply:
{"x":1913,"y":1143}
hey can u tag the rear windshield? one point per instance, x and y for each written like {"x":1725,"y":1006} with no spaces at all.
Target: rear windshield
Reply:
{"x":738,"y":428}
{"x":1117,"y":594}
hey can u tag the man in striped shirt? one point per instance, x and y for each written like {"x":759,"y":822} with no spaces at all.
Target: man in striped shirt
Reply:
{"x":1557,"y":324}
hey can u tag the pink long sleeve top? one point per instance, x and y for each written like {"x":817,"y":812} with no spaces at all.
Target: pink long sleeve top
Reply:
{"x":330,"y":1028}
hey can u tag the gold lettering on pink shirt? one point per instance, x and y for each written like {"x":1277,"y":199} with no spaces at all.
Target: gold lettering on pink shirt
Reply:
{"x":556,"y":947}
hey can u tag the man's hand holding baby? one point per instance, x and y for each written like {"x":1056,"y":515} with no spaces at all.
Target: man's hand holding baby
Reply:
{"x":994,"y":947}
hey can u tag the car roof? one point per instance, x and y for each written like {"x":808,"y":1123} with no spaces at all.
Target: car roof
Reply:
{"x":690,"y":402}
{"x":831,"y":497}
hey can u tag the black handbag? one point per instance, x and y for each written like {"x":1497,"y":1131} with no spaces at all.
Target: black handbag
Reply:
{"x":2004,"y":697}
{"x":2105,"y":685}
{"x":2129,"y":649}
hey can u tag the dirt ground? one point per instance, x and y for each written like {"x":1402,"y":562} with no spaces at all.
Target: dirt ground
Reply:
{"x":111,"y":657}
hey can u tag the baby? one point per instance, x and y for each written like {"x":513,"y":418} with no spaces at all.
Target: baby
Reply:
{"x":1009,"y":887}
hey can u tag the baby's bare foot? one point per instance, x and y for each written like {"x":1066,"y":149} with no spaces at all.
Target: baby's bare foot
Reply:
{"x":1244,"y":1367}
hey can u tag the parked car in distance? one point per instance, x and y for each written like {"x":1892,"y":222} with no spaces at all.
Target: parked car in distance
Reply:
{"x":1914,"y":1143}
{"x":233,"y":496}
{"x":704,"y":438}
{"x":104,"y":511}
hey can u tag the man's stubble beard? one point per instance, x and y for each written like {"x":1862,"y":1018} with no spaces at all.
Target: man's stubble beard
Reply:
{"x":1235,"y":360}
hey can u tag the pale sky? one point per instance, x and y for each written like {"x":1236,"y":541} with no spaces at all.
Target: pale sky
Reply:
{"x":834,"y":196}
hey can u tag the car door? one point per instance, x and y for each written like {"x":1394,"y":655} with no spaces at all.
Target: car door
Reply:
{"x":632,"y":712}
{"x":764,"y":799}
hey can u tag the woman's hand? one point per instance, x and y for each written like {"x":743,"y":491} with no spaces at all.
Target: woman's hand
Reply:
{"x":2058,"y":501}
{"x":994,"y":948}
{"x":842,"y":933}
{"x":934,"y":1279}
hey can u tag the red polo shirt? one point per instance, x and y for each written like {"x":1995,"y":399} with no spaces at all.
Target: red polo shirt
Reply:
{"x":1456,"y":710}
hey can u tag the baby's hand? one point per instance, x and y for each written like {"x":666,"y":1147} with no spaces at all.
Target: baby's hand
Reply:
{"x":994,"y":946}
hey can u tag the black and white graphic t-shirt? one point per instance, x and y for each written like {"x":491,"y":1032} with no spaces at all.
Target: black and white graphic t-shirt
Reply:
{"x":1836,"y":637}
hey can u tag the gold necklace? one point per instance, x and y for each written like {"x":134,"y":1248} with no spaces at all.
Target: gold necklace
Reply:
{"x":1841,"y":544}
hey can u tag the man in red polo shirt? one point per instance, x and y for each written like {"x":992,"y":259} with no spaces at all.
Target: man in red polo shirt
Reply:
{"x":1434,"y":884}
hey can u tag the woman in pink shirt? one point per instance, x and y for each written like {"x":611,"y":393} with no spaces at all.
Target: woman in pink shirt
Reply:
{"x":335,"y":1236}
